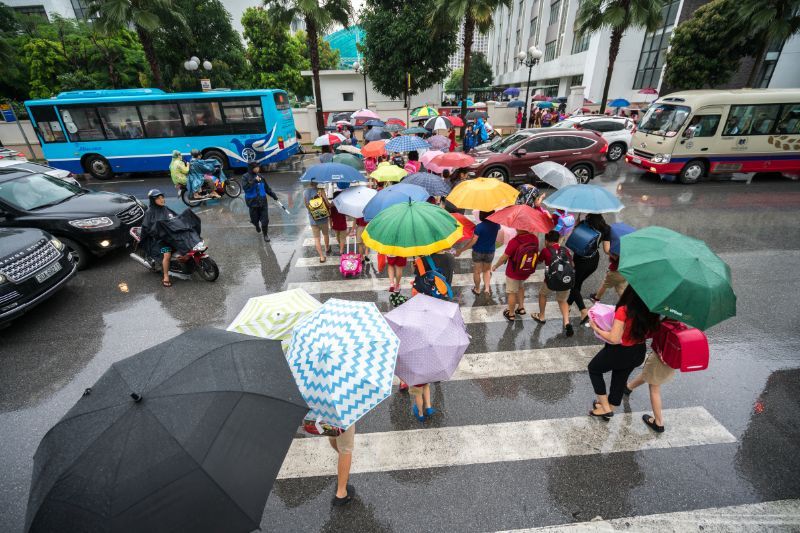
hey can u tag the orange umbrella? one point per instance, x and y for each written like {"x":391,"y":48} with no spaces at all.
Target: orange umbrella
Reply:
{"x":469,"y":226}
{"x":374,"y":149}
{"x":523,"y":217}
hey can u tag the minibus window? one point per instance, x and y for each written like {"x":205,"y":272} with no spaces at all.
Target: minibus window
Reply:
{"x":789,"y":122}
{"x":751,"y":119}
{"x":664,"y":119}
{"x":704,"y":125}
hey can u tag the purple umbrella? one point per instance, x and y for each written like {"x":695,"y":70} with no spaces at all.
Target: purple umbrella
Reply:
{"x":439,"y":142}
{"x":433,"y":339}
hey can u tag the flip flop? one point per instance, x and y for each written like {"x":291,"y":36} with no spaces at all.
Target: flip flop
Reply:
{"x":520,"y":311}
{"x":166,"y":283}
{"x":537,"y":318}
{"x":508,"y":316}
{"x":476,"y":291}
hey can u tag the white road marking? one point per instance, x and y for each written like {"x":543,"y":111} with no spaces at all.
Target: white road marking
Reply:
{"x":494,"y":313}
{"x":333,"y":260}
{"x":781,"y":515}
{"x":503,"y":442}
{"x":382,"y":283}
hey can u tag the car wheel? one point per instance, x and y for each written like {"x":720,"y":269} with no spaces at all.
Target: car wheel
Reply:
{"x":98,"y":166}
{"x":497,"y":173}
{"x":692,"y":171}
{"x":615,"y":151}
{"x":583,"y":172}
{"x":80,"y":254}
{"x":217,"y":155}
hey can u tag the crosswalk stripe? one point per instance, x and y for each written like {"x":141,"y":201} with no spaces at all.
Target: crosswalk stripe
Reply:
{"x":333,"y":261}
{"x":382,"y":283}
{"x":781,"y":515}
{"x":494,"y":313}
{"x":504,"y":442}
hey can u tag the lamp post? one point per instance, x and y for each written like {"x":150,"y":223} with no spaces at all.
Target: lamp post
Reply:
{"x":361,"y":68}
{"x":529,"y":58}
{"x":193,"y":64}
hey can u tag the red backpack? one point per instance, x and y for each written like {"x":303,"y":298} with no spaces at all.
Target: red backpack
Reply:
{"x":524,"y":259}
{"x":681,"y":347}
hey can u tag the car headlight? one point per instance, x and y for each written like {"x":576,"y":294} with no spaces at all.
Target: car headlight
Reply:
{"x":200,"y":246}
{"x":58,"y":244}
{"x":660,"y":158}
{"x":92,"y":223}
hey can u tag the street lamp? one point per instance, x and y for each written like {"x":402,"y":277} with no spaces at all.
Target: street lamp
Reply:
{"x":193,"y":63}
{"x":361,"y":68}
{"x":529,"y":58}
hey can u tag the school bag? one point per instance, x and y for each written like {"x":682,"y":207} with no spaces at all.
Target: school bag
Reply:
{"x":584,"y":240}
{"x":680,"y":346}
{"x":317,"y":208}
{"x":559,"y":275}
{"x":429,"y":280}
{"x":565,"y":223}
{"x":524,"y":259}
{"x":350,"y":263}
{"x":315,"y":427}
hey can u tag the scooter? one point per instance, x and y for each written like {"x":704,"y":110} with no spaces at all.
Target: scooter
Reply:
{"x":229,"y":186}
{"x":180,"y":266}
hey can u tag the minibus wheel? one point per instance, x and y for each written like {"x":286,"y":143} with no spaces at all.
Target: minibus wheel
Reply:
{"x":692,"y":171}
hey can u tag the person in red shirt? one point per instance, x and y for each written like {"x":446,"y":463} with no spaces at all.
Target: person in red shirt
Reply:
{"x":338,"y":224}
{"x":551,"y":248}
{"x":515,"y":275}
{"x":452,"y":137}
{"x":624,"y":350}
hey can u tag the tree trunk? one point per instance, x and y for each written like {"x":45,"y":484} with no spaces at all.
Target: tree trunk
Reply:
{"x":150,"y":53}
{"x":469,"y":34}
{"x":759,"y":60}
{"x":613,"y":51}
{"x":313,"y":53}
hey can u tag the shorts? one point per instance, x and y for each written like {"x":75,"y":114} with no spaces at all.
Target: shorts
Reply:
{"x":166,"y":250}
{"x":341,"y":234}
{"x":514,"y":285}
{"x":615,"y":280}
{"x":655,"y":371}
{"x":346,"y":441}
{"x":396,"y":261}
{"x":482,"y":257}
{"x":317,"y":227}
{"x":561,"y":296}
{"x":317,"y":223}
{"x":416,"y":390}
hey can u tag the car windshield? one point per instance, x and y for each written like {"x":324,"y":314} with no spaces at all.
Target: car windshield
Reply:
{"x":664,"y":119}
{"x":509,"y":141}
{"x":36,"y":191}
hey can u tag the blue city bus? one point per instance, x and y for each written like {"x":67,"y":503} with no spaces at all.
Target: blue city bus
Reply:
{"x":105,"y":132}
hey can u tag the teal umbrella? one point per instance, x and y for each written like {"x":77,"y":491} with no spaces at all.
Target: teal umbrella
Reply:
{"x":350,"y":160}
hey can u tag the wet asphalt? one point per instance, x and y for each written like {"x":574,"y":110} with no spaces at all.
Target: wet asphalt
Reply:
{"x":116,"y":308}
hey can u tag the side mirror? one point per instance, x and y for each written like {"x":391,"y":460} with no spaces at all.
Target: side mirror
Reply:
{"x":689,"y":132}
{"x":520,"y":152}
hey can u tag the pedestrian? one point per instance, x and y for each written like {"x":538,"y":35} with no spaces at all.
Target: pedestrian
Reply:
{"x":358,"y":227}
{"x":547,"y":118}
{"x":623,"y":351}
{"x":394,"y":267}
{"x":370,"y":164}
{"x":519,"y":118}
{"x":319,"y":212}
{"x":452,"y":136}
{"x":483,"y":247}
{"x":412,"y":165}
{"x":326,"y":156}
{"x":585,"y":241}
{"x":256,"y":190}
{"x":655,"y":373}
{"x":338,"y":224}
{"x":421,"y":398}
{"x":344,"y":444}
{"x":549,"y":253}
{"x":612,"y":280}
{"x":521,"y":255}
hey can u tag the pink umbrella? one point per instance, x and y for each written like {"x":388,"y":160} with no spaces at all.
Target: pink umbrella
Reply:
{"x":648,"y":90}
{"x":425,"y":158}
{"x":439,"y":142}
{"x":539,"y":98}
{"x":365,"y":114}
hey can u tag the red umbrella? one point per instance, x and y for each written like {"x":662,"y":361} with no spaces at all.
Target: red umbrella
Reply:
{"x":456,"y":121}
{"x":648,"y":90}
{"x":523,"y":217}
{"x":396,"y":121}
{"x":469,"y":226}
{"x":453,"y":160}
{"x":539,"y":98}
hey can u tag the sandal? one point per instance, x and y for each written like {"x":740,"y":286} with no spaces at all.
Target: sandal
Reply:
{"x":166,"y":283}
{"x":627,"y":391}
{"x":651,"y":423}
{"x":508,"y":316}
{"x":537,"y":317}
{"x":521,"y":311}
{"x":476,"y":291}
{"x":604,"y":416}
{"x":323,"y":259}
{"x":584,"y":321}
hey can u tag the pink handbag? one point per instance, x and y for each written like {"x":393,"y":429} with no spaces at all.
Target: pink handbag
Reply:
{"x":603,"y":316}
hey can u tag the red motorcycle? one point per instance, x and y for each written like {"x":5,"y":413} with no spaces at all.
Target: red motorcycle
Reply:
{"x":180,"y":266}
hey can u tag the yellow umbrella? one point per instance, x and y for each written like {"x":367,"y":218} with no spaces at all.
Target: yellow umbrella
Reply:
{"x":483,"y":194}
{"x":388,"y":172}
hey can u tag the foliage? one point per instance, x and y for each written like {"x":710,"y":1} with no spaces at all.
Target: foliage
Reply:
{"x":767,"y":21}
{"x":397,"y":43}
{"x":328,"y":60}
{"x":273,"y":54}
{"x":480,"y":75}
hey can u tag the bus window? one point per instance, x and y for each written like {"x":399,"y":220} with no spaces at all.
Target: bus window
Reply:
{"x":281,"y":101}
{"x":751,"y":119}
{"x":121,"y":122}
{"x":82,"y":124}
{"x":789,"y":122}
{"x":704,"y":125}
{"x":664,"y":119}
{"x":244,"y":116}
{"x":202,"y":118}
{"x":161,"y":120}
{"x":47,"y":123}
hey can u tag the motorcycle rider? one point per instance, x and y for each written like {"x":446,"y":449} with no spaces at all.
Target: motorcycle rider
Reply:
{"x":256,"y":190}
{"x":178,"y":168}
{"x":151,"y":241}
{"x":199,"y":175}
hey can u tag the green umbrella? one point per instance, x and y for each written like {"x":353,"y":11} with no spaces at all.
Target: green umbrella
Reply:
{"x":350,"y":160}
{"x":678,"y":276}
{"x":412,"y":228}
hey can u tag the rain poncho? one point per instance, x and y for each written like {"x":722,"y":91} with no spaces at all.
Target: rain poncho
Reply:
{"x":178,"y":170}
{"x":162,"y":228}
{"x":198,"y":170}
{"x":480,"y":132}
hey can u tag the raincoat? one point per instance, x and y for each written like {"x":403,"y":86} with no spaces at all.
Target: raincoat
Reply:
{"x":481,"y":134}
{"x":198,"y":169}
{"x":178,"y":170}
{"x":163,"y":228}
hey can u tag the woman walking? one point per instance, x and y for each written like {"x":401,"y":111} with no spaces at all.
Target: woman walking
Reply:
{"x":624,"y":350}
{"x":319,"y":212}
{"x":587,"y":259}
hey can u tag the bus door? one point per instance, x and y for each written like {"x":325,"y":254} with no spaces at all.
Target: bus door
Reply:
{"x":699,"y":137}
{"x":46,"y":124}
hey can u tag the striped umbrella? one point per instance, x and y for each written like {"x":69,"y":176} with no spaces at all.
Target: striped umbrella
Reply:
{"x":275,"y":315}
{"x":433,"y":184}
{"x":329,"y":139}
{"x":438,"y":123}
{"x":406,"y":143}
{"x":425,"y":111}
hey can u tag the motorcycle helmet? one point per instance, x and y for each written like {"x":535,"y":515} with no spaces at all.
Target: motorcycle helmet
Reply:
{"x":153,"y":194}
{"x":196,"y":153}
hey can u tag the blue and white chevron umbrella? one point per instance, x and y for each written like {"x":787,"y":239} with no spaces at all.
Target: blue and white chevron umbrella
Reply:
{"x":342,"y":357}
{"x":406,"y":143}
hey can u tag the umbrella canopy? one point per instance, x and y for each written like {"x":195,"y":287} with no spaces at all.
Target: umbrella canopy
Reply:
{"x":470,"y":103}
{"x":376,"y":134}
{"x":342,"y":357}
{"x":619,"y":230}
{"x":545,"y":105}
{"x":425,"y":111}
{"x":406,"y":143}
{"x":396,"y":194}
{"x":561,"y":99}
{"x":349,"y":148}
{"x":414,"y":130}
{"x":375,"y":122}
{"x":582,"y":198}
{"x":432,"y":336}
{"x":396,"y":121}
{"x":678,"y":276}
{"x":411,"y":228}
{"x":438,"y":123}
{"x":273,"y":316}
{"x":467,"y":224}
{"x":350,"y":160}
{"x":365,"y":114}
{"x":480,"y":104}
{"x":455,"y":121}
{"x":619,"y":102}
{"x":425,"y":158}
{"x":351,"y":202}
{"x":523,"y":217}
{"x":511,"y":91}
{"x":483,"y":194}
{"x":453,"y":160}
{"x":553,"y":174}
{"x":434,"y":185}
{"x":475,"y":115}
{"x":648,"y":90}
{"x":439,"y":142}
{"x":331,"y":172}
{"x":374,"y":149}
{"x":188,"y":435}
{"x":388,"y":172}
{"x":539,"y":98}
{"x":516,"y":103}
{"x":394,"y":127}
{"x":329,"y":139}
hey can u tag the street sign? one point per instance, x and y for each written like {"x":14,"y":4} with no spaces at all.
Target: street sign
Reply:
{"x":205,"y":84}
{"x":8,"y":113}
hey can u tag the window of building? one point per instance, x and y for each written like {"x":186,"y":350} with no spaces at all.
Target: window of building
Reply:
{"x":519,"y":40}
{"x":81,"y":9}
{"x":161,"y":120}
{"x":202,"y":118}
{"x":576,"y":81}
{"x":554,"y":11}
{"x":654,"y":49}
{"x":34,"y":11}
{"x":768,"y":65}
{"x":751,"y":119}
{"x":550,"y":51}
{"x":47,"y":124}
{"x":532,"y":38}
{"x":347,"y":97}
{"x":121,"y":122}
{"x":244,"y":116}
{"x":82,"y":124}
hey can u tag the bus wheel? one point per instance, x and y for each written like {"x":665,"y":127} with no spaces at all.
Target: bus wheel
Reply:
{"x":217,"y":155}
{"x":98,"y":166}
{"x":692,"y":171}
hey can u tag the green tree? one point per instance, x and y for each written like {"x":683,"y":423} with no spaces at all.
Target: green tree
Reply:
{"x":319,"y":16}
{"x":474,"y":14}
{"x":328,"y":59}
{"x":768,"y":21}
{"x":618,"y":16}
{"x":453,"y":83}
{"x":273,"y":54}
{"x":14,"y":81}
{"x":480,"y":75}
{"x":396,"y":45}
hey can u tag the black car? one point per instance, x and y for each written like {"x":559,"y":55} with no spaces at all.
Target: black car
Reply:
{"x":33,"y":266}
{"x":89,"y":223}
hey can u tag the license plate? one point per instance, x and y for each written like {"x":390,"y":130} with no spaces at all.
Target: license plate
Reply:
{"x":636,"y":160}
{"x":48,"y":272}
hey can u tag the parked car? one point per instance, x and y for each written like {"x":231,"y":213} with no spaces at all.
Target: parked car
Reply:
{"x":509,"y":159}
{"x":11,"y":155}
{"x":33,"y":266}
{"x":38,"y":167}
{"x":89,"y":223}
{"x":618,"y":131}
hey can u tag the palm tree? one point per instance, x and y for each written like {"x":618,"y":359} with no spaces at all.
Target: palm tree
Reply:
{"x":768,"y":21}
{"x":474,"y":14}
{"x":319,"y":17}
{"x":619,"y":16}
{"x":143,"y":15}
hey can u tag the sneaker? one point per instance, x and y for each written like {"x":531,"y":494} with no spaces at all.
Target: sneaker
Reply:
{"x":258,"y":228}
{"x":568,"y":330}
{"x":339,"y":502}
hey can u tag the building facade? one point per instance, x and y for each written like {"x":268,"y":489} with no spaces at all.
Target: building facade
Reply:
{"x":570,"y":62}
{"x":480,"y":44}
{"x":74,"y":9}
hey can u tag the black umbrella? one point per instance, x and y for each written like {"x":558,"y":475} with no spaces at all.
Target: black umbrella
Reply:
{"x":376,"y":134}
{"x":341,"y":116}
{"x":188,"y":435}
{"x":474,"y":115}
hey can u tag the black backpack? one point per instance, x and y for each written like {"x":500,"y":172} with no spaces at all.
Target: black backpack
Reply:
{"x":560,"y":273}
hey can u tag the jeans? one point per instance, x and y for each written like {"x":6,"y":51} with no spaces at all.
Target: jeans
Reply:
{"x":259,"y":216}
{"x":620,"y":361}
{"x":584,"y":267}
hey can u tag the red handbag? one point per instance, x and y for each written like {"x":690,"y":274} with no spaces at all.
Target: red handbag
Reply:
{"x":681,"y":347}
{"x":315,"y":427}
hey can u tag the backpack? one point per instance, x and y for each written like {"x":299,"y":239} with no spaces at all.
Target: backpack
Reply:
{"x":524,"y":259}
{"x":431,"y":281}
{"x":681,"y":347}
{"x":317,"y":208}
{"x":565,"y":223}
{"x":584,"y":240}
{"x":559,"y":275}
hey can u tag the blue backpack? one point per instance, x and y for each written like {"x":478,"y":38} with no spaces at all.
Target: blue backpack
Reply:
{"x":584,"y":240}
{"x":431,"y":281}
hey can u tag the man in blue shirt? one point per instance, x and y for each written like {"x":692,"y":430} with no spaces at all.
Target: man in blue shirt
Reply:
{"x":483,"y":247}
{"x":256,"y":191}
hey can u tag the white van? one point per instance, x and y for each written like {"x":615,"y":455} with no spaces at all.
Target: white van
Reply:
{"x":692,"y":134}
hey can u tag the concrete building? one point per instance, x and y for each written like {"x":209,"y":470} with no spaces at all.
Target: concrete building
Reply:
{"x":579,"y":65}
{"x":48,"y":8}
{"x":480,"y":44}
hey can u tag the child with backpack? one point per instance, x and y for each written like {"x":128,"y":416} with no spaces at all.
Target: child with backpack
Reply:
{"x":521,"y":254}
{"x":338,"y":224}
{"x":585,"y":241}
{"x":612,"y":280}
{"x":319,"y":213}
{"x":559,"y":276}
{"x":394,"y":267}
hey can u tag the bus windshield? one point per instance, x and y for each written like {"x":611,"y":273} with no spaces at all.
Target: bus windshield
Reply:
{"x":664,"y":119}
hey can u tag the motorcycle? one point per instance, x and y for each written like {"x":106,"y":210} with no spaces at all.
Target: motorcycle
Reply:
{"x":229,"y":186}
{"x":180,"y":266}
